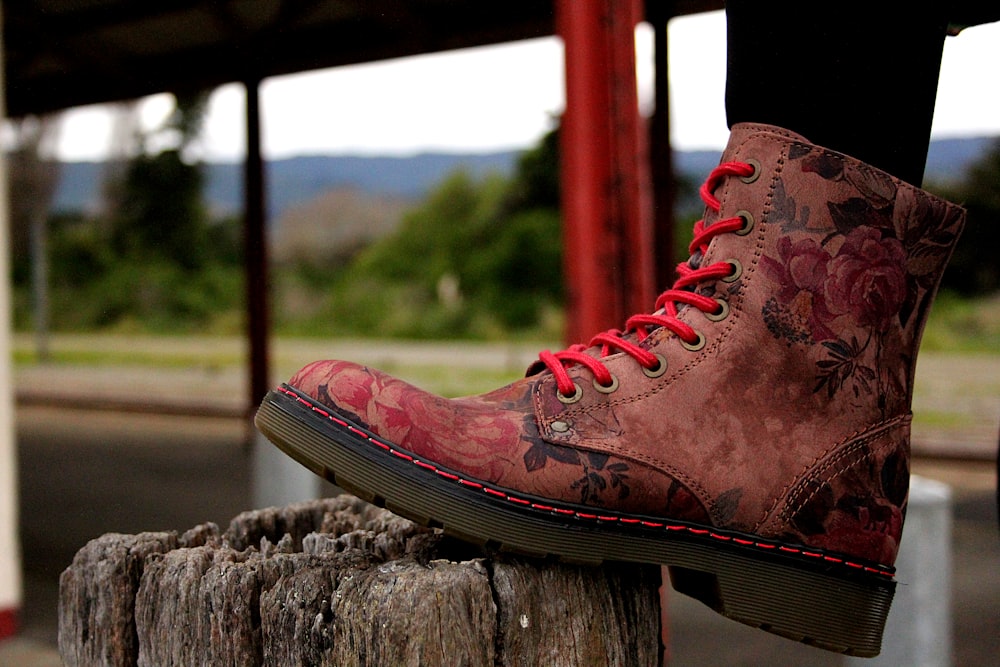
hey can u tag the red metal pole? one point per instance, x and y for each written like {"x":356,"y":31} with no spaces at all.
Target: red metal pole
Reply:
{"x":608,"y":235}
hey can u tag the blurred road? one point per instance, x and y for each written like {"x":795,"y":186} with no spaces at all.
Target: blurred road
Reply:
{"x":86,"y":472}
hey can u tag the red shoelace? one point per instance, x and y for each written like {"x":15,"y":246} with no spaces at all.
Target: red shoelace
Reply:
{"x":666,"y":308}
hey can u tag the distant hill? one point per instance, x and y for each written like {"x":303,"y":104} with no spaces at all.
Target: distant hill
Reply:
{"x":296,"y":180}
{"x":947,"y":159}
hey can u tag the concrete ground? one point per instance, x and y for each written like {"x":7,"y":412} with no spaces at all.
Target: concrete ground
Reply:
{"x":85,"y":472}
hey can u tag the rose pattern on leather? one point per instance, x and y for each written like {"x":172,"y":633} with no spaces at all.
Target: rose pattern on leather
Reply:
{"x":423,"y":423}
{"x":481,"y":438}
{"x":852,"y":283}
{"x":860,"y":512}
{"x":598,"y":477}
{"x":845,"y":274}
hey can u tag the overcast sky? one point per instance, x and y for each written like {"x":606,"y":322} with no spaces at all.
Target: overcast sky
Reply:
{"x":504,"y":97}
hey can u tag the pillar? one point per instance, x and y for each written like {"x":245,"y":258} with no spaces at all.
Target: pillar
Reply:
{"x":608,"y":234}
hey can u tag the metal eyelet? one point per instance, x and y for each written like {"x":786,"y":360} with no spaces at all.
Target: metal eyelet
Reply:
{"x":747,"y":223}
{"x":661,"y":367}
{"x":607,"y":389}
{"x":695,"y":346}
{"x":722,"y":314}
{"x":756,"y":171}
{"x":737,"y":271}
{"x":577,"y":395}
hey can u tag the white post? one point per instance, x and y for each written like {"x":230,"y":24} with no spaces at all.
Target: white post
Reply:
{"x":277,"y":479}
{"x":918,"y":630}
{"x":10,"y":548}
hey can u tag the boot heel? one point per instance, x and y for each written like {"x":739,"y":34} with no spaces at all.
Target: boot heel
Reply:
{"x":810,"y":607}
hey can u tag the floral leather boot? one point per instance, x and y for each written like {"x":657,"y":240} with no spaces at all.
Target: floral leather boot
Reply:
{"x":752,"y":433}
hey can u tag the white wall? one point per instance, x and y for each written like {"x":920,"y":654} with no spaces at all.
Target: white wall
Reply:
{"x":10,"y":548}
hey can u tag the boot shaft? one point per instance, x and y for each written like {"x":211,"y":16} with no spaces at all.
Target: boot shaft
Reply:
{"x":848,"y":267}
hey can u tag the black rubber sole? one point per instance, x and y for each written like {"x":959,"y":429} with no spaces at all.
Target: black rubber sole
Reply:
{"x":810,"y":596}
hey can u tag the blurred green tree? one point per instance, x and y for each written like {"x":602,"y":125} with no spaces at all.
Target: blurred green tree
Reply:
{"x":160,"y":213}
{"x":475,"y":258}
{"x":154,"y":261}
{"x":974,"y":269}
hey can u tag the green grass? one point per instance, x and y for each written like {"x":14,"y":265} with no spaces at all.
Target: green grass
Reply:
{"x":941,"y":419}
{"x":111,"y":357}
{"x":962,"y":325}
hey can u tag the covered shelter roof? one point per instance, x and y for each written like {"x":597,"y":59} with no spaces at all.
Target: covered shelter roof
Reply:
{"x":65,"y":53}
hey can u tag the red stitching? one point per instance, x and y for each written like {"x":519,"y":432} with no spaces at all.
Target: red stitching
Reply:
{"x":886,"y":572}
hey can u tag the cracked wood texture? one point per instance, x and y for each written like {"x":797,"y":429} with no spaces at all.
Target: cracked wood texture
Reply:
{"x":340,"y":582}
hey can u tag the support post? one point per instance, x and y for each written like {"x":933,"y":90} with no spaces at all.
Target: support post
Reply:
{"x":277,"y":479}
{"x":661,"y":153}
{"x":10,"y":547}
{"x":608,"y":235}
{"x":337,"y":582}
{"x":40,"y":283}
{"x":255,"y":250}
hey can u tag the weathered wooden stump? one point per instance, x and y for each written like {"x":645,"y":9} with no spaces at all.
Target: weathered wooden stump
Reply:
{"x":340,"y":582}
